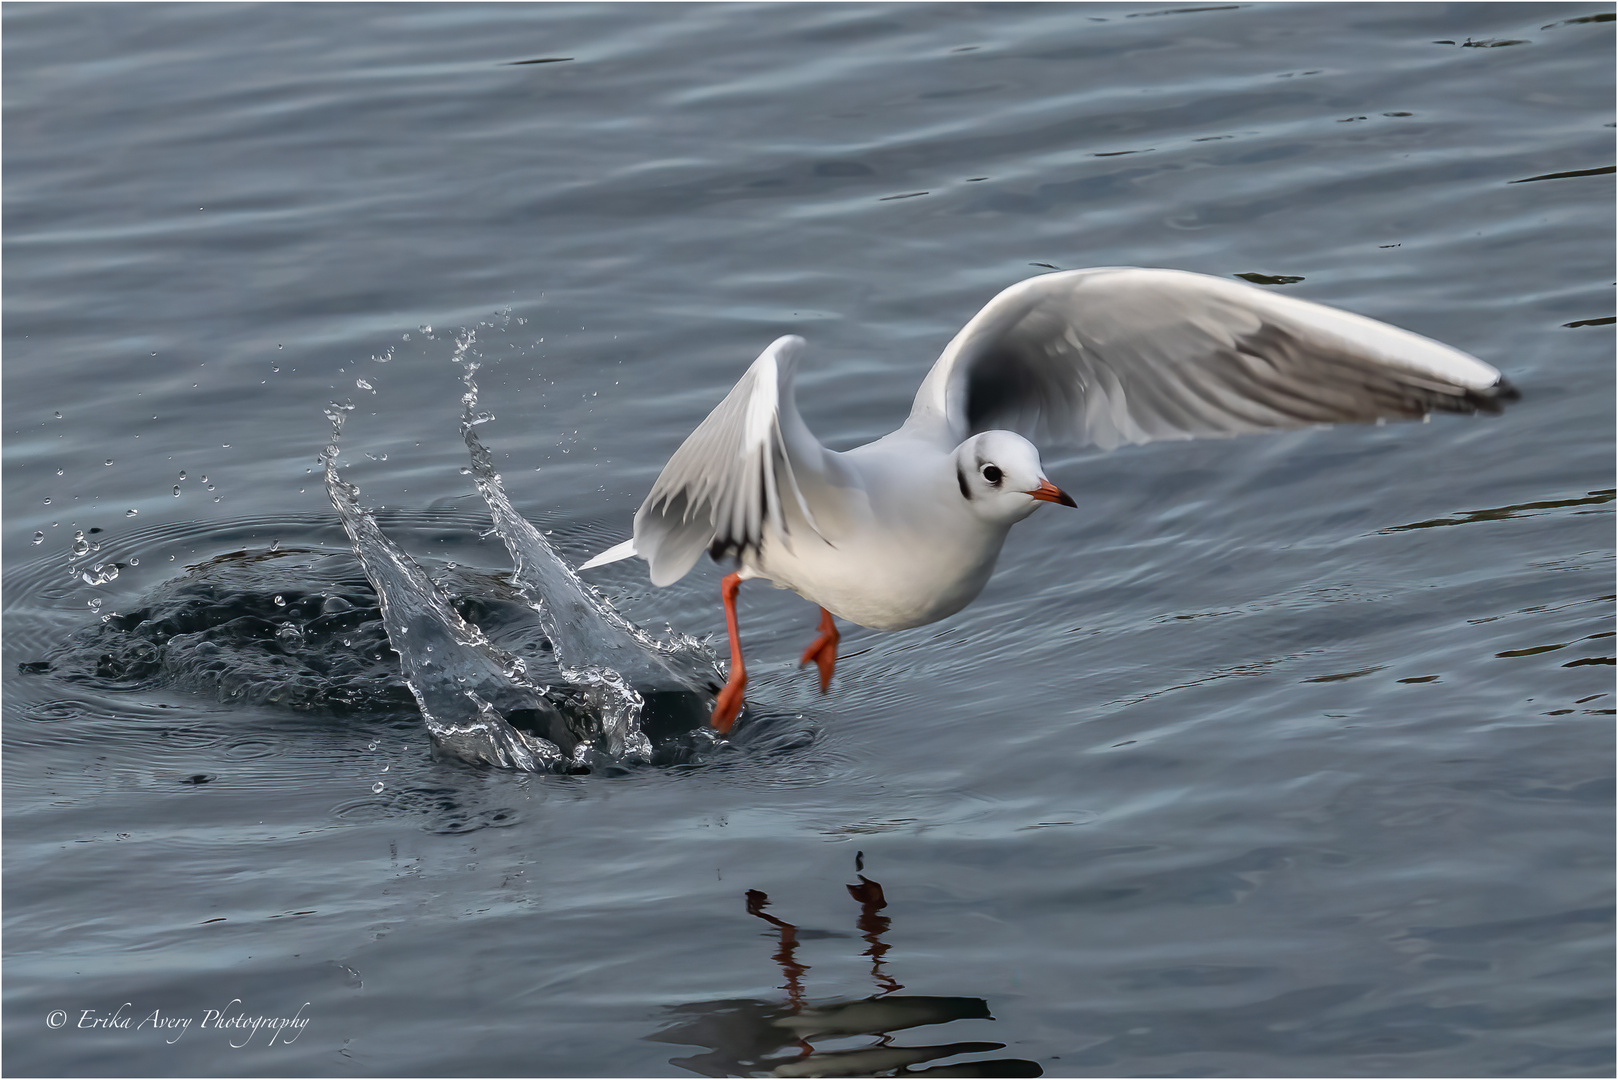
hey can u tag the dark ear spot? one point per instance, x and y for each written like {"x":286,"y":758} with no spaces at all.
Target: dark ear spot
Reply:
{"x":960,"y":478}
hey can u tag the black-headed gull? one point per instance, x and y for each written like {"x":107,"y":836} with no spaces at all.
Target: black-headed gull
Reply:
{"x":905,"y":530}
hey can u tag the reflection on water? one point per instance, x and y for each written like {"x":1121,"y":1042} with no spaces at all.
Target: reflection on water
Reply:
{"x":748,"y":1037}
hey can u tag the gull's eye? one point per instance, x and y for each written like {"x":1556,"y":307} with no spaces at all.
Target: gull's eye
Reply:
{"x":992,"y":473}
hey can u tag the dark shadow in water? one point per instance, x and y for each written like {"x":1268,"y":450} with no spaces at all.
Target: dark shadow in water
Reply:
{"x":293,"y":628}
{"x":1602,"y":171}
{"x":749,"y":1037}
{"x":1270,"y":279}
{"x":1605,"y":16}
{"x":1501,"y":513}
{"x":302,"y":630}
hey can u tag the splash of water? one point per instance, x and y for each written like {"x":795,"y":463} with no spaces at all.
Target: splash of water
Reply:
{"x":459,"y":678}
{"x":596,"y":648}
{"x":479,"y":701}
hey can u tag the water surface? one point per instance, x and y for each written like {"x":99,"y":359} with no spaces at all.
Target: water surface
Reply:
{"x":1279,"y":756}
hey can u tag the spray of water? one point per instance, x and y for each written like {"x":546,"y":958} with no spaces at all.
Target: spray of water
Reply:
{"x":477,"y":699}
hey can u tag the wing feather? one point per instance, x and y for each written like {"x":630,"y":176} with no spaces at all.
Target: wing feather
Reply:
{"x":1123,"y":355}
{"x":726,"y":481}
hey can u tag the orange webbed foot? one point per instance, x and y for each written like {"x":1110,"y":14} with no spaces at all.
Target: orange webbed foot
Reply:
{"x":823,"y":650}
{"x":728,"y":706}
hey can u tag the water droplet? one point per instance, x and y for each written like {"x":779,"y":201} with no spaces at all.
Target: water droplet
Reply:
{"x":94,"y":603}
{"x":59,"y":472}
{"x":80,"y":544}
{"x":131,"y":512}
{"x":424,"y":328}
{"x":39,"y":538}
{"x":58,"y":416}
{"x":134,"y":560}
{"x":363,"y":385}
{"x":373,"y":745}
{"x":107,"y":462}
{"x":205,"y":479}
{"x":176,"y":491}
{"x":384,"y":768}
{"x":280,"y":601}
{"x":280,"y":346}
{"x":47,"y":500}
{"x":376,"y":788}
{"x":182,"y":474}
{"x":217,"y":498}
{"x":210,"y":486}
{"x":275,"y":545}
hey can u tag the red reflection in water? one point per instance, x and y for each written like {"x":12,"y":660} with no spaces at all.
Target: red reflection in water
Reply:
{"x":869,"y":895}
{"x":785,"y":956}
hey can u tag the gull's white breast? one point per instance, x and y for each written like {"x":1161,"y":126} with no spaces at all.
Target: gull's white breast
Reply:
{"x":893,"y":544}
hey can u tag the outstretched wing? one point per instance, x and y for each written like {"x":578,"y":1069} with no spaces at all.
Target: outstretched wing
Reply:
{"x":730,"y":477}
{"x":1124,"y":355}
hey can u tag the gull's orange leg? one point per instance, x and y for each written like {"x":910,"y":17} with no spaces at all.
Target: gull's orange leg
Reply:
{"x":823,"y":650}
{"x":728,"y":706}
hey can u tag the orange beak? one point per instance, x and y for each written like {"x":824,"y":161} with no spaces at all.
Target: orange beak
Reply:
{"x":1049,"y":492}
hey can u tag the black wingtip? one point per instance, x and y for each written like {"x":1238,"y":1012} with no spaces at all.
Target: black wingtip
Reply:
{"x":1494,"y":398}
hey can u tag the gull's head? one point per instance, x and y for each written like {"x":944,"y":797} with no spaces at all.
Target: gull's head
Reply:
{"x":1001,"y":479}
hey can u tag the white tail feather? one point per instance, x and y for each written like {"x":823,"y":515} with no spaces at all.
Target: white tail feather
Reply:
{"x":616,"y":553}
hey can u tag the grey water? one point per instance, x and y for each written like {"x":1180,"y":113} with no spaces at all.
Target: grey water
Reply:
{"x":1279,"y":756}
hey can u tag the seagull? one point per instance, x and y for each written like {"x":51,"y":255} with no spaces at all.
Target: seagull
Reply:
{"x":905,"y":530}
